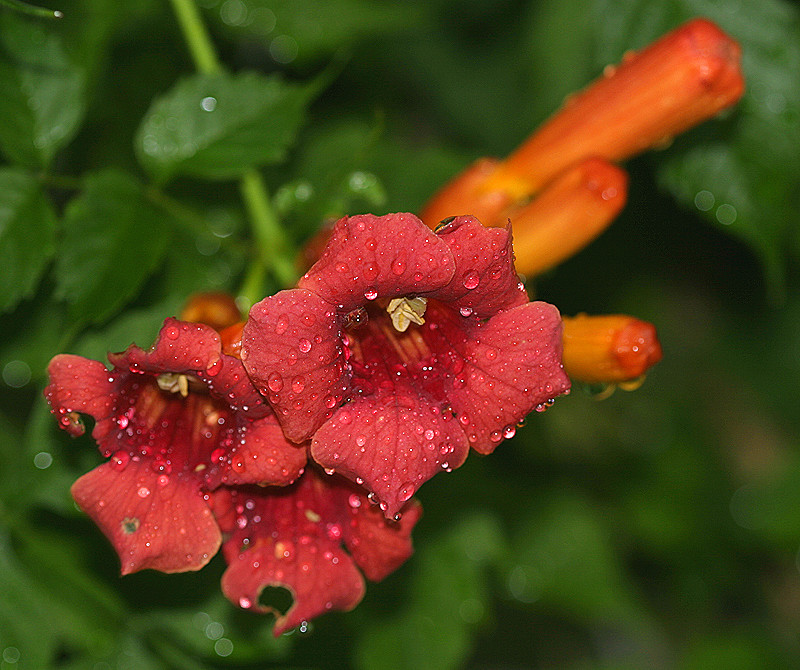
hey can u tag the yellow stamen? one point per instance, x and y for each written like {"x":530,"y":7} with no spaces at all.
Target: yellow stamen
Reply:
{"x":405,"y":311}
{"x":174,"y":383}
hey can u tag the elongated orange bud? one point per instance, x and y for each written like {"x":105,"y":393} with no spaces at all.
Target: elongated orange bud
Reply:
{"x":463,"y":195}
{"x":684,"y":78}
{"x":217,"y":310}
{"x":568,"y":214}
{"x":609,"y":349}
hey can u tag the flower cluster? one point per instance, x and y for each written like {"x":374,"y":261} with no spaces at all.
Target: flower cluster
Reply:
{"x":296,"y":440}
{"x":398,"y":350}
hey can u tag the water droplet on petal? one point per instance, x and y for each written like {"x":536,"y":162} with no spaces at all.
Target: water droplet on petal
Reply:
{"x":120,"y":459}
{"x":304,"y":345}
{"x":371,"y":294}
{"x":471,"y":280}
{"x":275,"y":382}
{"x":405,"y":492}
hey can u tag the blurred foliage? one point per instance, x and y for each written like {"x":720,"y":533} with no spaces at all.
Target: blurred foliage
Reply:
{"x":655,"y":529}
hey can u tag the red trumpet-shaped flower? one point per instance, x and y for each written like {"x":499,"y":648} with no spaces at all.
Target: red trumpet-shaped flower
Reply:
{"x":295,"y":538}
{"x":401,"y":348}
{"x":176,"y":421}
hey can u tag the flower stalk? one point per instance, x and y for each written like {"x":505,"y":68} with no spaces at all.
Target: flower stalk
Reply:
{"x":271,"y":244}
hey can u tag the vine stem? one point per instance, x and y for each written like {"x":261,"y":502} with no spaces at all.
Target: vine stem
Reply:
{"x":271,"y":244}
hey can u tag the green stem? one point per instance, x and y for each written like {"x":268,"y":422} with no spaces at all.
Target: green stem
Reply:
{"x":269,"y":237}
{"x":272,"y":249}
{"x":197,"y":39}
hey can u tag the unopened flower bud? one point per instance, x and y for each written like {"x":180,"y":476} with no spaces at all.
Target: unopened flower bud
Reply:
{"x":217,"y":310}
{"x":608,"y":349}
{"x":567,"y":215}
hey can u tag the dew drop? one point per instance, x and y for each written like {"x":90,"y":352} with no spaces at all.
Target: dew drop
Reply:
{"x":466,"y":311}
{"x":172,"y":332}
{"x":405,"y":492}
{"x":398,"y":266}
{"x":471,"y":280}
{"x":354,"y":501}
{"x":143,"y":492}
{"x":304,"y":345}
{"x":371,"y":294}
{"x":298,"y":384}
{"x":281,"y":325}
{"x":275,"y":382}
{"x":119,"y":460}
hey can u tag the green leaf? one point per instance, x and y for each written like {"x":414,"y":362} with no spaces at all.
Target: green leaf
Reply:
{"x":114,"y":239}
{"x":42,"y":97}
{"x":564,"y":558}
{"x":448,"y":599}
{"x":291,"y":32}
{"x":219,"y":126}
{"x":740,"y":172}
{"x":27,"y":235}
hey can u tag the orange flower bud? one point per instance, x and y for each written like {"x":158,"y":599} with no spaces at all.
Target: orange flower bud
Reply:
{"x":217,"y":310}
{"x":608,"y":349}
{"x":462,"y":195}
{"x":568,"y":214}
{"x":684,"y":78}
{"x":231,"y":338}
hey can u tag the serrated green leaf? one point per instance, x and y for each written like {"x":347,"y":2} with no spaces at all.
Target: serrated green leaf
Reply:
{"x":740,"y":172}
{"x":42,"y":96}
{"x":27,"y":235}
{"x":113,"y":240}
{"x":219,"y":126}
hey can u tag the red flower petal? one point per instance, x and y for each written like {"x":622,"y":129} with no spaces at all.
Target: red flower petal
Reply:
{"x":180,"y":347}
{"x":512,"y":366}
{"x":154,"y":521}
{"x":78,"y":384}
{"x":370,"y":256}
{"x":317,"y":584}
{"x":292,"y":349}
{"x":263,"y":455}
{"x":485,"y":280}
{"x":292,"y":538}
{"x":377,"y":546}
{"x":392,"y":442}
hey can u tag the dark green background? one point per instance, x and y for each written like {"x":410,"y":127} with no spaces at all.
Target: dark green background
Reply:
{"x":658,"y":528}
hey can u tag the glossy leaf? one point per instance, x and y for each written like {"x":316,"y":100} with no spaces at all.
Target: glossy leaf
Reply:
{"x":27,"y":235}
{"x":42,"y":96}
{"x":114,"y":239}
{"x":218,"y":126}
